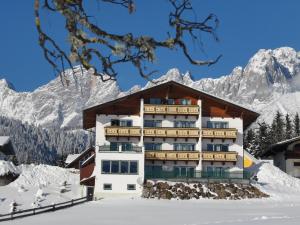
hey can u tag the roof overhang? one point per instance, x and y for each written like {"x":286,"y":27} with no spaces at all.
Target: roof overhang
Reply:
{"x":127,"y":105}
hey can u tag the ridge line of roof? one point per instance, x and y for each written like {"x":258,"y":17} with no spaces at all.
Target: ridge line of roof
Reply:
{"x":172,"y":81}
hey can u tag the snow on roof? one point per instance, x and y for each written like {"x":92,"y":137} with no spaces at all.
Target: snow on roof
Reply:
{"x":70,"y":158}
{"x":287,"y":141}
{"x":7,"y":167}
{"x":88,"y":159}
{"x":4,"y":140}
{"x":80,"y":154}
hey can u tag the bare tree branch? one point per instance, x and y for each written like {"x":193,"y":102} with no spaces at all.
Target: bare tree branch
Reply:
{"x":89,"y":43}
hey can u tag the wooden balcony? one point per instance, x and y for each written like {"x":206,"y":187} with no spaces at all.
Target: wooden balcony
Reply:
{"x":225,"y":133}
{"x":123,"y":131}
{"x":172,"y":155}
{"x":219,"y":156}
{"x":171,"y":132}
{"x":171,"y":109}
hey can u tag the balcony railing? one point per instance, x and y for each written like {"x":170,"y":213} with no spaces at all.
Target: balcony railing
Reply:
{"x":108,"y":148}
{"x":219,"y":156}
{"x":171,"y":109}
{"x":172,"y":155}
{"x":171,"y":132}
{"x":123,"y":131}
{"x":230,"y":133}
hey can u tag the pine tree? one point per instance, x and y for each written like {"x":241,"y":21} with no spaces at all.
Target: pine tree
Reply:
{"x":277,"y":129}
{"x":296,"y":125}
{"x":262,"y":139}
{"x":288,"y":127}
{"x":250,"y":143}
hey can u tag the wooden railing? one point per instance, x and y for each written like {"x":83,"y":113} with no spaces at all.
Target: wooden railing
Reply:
{"x":123,"y":131}
{"x":230,"y":133}
{"x":219,"y":156}
{"x":171,"y":132}
{"x":171,"y":109}
{"x":172,"y":155}
{"x":43,"y":209}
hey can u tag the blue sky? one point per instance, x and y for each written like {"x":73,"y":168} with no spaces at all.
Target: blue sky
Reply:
{"x":245,"y":27}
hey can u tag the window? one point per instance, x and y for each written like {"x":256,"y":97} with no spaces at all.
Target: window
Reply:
{"x":218,"y":147}
{"x":217,"y":124}
{"x":119,"y":167}
{"x":184,"y":171}
{"x":171,"y":101}
{"x":121,"y":123}
{"x":131,"y":187}
{"x":133,"y":167}
{"x":185,"y":101}
{"x":296,"y":163}
{"x":152,"y":123}
{"x":105,"y":166}
{"x":114,"y":146}
{"x":184,"y":147}
{"x":123,"y":146}
{"x":152,"y":146}
{"x":107,"y":187}
{"x":114,"y":166}
{"x":124,"y":166}
{"x":184,"y":124}
{"x":156,"y":101}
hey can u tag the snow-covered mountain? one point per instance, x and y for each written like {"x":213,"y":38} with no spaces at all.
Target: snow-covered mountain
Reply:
{"x":268,"y":82}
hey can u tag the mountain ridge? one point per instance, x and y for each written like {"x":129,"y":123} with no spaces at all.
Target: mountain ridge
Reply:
{"x":270,"y":81}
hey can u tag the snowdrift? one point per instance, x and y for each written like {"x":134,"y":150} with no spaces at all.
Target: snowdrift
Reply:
{"x":7,"y":167}
{"x":275,"y":182}
{"x":45,"y":175}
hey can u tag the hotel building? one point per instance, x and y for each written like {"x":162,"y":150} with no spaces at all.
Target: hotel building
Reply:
{"x":168,"y":130}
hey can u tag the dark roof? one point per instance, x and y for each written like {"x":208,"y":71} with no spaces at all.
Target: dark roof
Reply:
{"x":279,"y":146}
{"x":127,"y":104}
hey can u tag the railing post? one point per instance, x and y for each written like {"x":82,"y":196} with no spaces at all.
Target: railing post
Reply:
{"x":53,"y":207}
{"x":72,"y":202}
{"x":12,"y":215}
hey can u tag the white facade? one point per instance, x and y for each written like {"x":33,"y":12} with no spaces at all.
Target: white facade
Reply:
{"x":119,"y":182}
{"x":234,"y":145}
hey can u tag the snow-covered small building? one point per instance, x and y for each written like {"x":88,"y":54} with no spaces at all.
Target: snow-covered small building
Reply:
{"x":166,"y":131}
{"x":285,"y":155}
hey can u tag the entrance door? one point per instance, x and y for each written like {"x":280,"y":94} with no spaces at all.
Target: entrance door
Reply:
{"x":90,"y":193}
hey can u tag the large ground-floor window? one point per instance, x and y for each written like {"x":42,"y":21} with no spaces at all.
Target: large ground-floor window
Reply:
{"x":119,"y":167}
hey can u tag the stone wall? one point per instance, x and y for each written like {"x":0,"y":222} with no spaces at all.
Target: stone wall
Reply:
{"x":185,"y":191}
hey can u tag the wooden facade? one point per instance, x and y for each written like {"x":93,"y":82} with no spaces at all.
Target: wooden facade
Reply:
{"x":130,"y":104}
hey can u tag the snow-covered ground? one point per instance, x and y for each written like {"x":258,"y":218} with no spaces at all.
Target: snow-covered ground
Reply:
{"x":281,"y":208}
{"x":39,"y":185}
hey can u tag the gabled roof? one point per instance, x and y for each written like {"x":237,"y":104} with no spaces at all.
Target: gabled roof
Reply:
{"x":129,"y":104}
{"x":279,"y":146}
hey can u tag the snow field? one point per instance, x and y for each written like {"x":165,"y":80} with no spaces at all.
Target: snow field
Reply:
{"x":40,"y":185}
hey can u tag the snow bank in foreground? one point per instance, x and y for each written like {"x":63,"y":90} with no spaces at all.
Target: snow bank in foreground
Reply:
{"x":44,"y":175}
{"x":8,"y":167}
{"x":40,"y":185}
{"x":275,"y":182}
